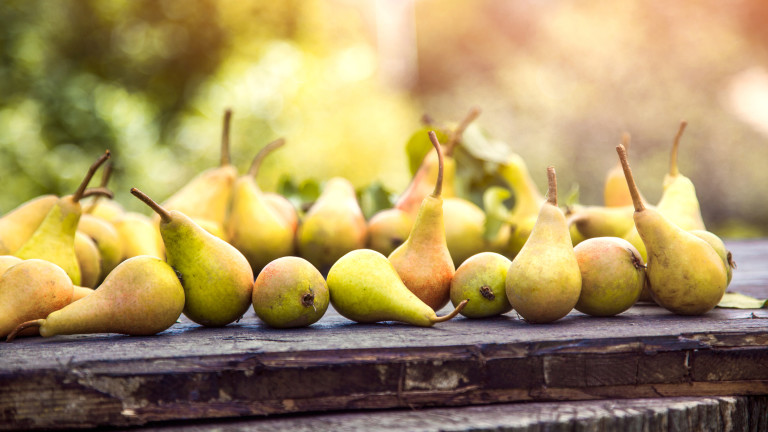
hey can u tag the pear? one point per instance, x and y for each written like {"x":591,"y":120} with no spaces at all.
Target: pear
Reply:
{"x":365,"y":287}
{"x":284,"y":208}
{"x":333,"y":226}
{"x":528,"y":201}
{"x":54,"y":239}
{"x":544,"y":281}
{"x":88,"y":260}
{"x":612,"y":275}
{"x":18,"y":225}
{"x":254,"y":227}
{"x":717,"y":243}
{"x":678,"y":200}
{"x":481,"y":279}
{"x":107,"y":240}
{"x":599,"y":221}
{"x":141,"y":296}
{"x":615,"y":192}
{"x":30,"y":290}
{"x":290,"y":292}
{"x":80,"y":292}
{"x":421,"y":184}
{"x":108,"y":210}
{"x":685,"y":273}
{"x":217,"y":279}
{"x":8,"y":261}
{"x":465,"y":230}
{"x":138,"y":236}
{"x":423,"y":261}
{"x":207,"y":195}
{"x":388,"y":229}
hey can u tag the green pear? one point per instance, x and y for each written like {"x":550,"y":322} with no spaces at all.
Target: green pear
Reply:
{"x":720,"y":248}
{"x":388,"y":229}
{"x":599,"y":221}
{"x":254,"y":227}
{"x":544,"y":281}
{"x":365,"y":287}
{"x":207,"y":196}
{"x":88,"y":260}
{"x":31,"y":290}
{"x":481,"y":279}
{"x":141,"y":296}
{"x":528,"y":201}
{"x":107,"y":240}
{"x":423,"y":261}
{"x":333,"y":226}
{"x":290,"y":292}
{"x":612,"y":275}
{"x":18,"y":225}
{"x":217,"y":279}
{"x":138,"y":236}
{"x":685,"y":273}
{"x":54,"y":239}
{"x":465,"y":230}
{"x":678,"y":200}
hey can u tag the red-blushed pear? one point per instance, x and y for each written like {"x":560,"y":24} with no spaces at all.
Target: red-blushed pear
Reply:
{"x":365,"y":288}
{"x":254,"y":227}
{"x":141,"y":296}
{"x":685,"y":273}
{"x":217,"y":279}
{"x":423,"y":261}
{"x":207,"y":196}
{"x":54,"y":239}
{"x":31,"y":290}
{"x":544,"y":281}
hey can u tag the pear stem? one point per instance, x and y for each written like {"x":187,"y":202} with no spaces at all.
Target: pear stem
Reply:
{"x":225,"y":160}
{"x":164,"y":214}
{"x":636,"y":199}
{"x":21,"y":327}
{"x":97,"y":192}
{"x":455,"y":312}
{"x":552,"y":186}
{"x":89,"y":175}
{"x":673,"y":170}
{"x":473,"y":113}
{"x":439,"y":182}
{"x":105,"y":175}
{"x":264,"y":152}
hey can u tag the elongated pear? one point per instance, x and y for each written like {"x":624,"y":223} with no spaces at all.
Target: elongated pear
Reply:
{"x":107,"y":240}
{"x":423,"y":261}
{"x":18,"y":225}
{"x":54,"y":239}
{"x":88,"y":260}
{"x":685,"y":273}
{"x":365,"y":288}
{"x":207,"y":195}
{"x":217,"y":279}
{"x":678,"y":200}
{"x":544,"y":281}
{"x":254,"y":227}
{"x":528,"y":201}
{"x":31,"y":290}
{"x":333,"y":226}
{"x":141,"y":296}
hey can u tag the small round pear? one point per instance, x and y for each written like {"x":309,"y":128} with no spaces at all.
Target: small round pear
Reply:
{"x":482,"y":278}
{"x":612,"y":275}
{"x":290,"y":292}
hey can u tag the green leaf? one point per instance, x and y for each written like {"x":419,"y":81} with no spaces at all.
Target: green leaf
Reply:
{"x":482,"y":147}
{"x":496,"y":213}
{"x":419,"y":145}
{"x":732,"y":300}
{"x":374,"y":198}
{"x":572,"y":196}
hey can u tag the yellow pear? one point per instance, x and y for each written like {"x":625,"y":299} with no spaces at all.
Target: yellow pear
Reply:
{"x":138,"y":236}
{"x":88,"y":260}
{"x":107,"y":240}
{"x":18,"y":225}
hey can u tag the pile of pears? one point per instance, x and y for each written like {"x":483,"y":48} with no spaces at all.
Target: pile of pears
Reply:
{"x":220,"y":246}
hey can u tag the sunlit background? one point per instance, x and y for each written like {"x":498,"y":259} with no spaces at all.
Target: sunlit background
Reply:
{"x":346,"y":83}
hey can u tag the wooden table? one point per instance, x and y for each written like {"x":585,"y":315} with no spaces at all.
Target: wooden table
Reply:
{"x":247,"y":369}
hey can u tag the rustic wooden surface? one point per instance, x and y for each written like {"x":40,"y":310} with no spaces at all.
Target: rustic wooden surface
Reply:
{"x":189,"y":372}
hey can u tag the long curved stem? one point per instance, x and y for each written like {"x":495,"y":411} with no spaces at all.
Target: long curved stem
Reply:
{"x":552,"y":186}
{"x":105,"y":176}
{"x":263,"y":153}
{"x":473,"y":113}
{"x":459,"y":308}
{"x":23,"y":326}
{"x":97,"y":192}
{"x":439,"y":182}
{"x":673,"y":169}
{"x":636,"y":199}
{"x":225,"y":160}
{"x":164,"y":214}
{"x":89,"y":175}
